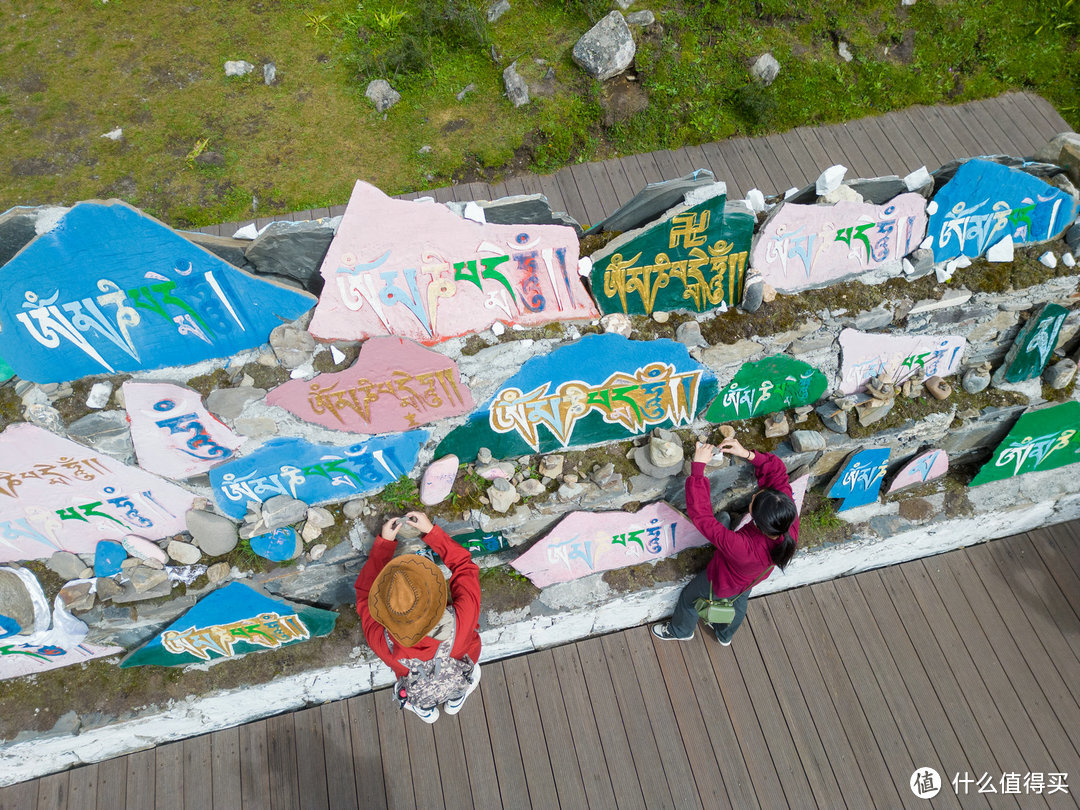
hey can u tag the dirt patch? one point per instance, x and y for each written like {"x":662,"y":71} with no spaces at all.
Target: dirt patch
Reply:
{"x":916,"y":509}
{"x":670,"y":569}
{"x":455,"y":125}
{"x":904,"y":50}
{"x":32,"y":81}
{"x":32,"y":167}
{"x":503,"y":590}
{"x":621,"y":99}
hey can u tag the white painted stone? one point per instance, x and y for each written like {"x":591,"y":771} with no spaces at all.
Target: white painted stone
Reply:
{"x":114,"y":134}
{"x":1001,"y":251}
{"x":184,"y":553}
{"x":99,"y":395}
{"x":830,"y":179}
{"x":1048,"y":259}
{"x":931,"y":208}
{"x":927,"y":243}
{"x":475,"y":213}
{"x":756,"y":200}
{"x":917,"y":179}
{"x":584,"y":266}
{"x":1068,"y":260}
{"x":338,"y":355}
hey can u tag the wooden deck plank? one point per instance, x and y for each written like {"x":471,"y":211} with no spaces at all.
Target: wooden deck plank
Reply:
{"x":594,"y":770}
{"x":720,"y":169}
{"x":960,"y":125}
{"x":281,"y":757}
{"x":635,"y":177}
{"x":82,"y":788}
{"x":111,"y":786}
{"x":341,"y":790}
{"x":560,"y":739}
{"x":609,"y":723}
{"x":620,"y":183}
{"x":476,"y":742}
{"x":604,"y":187}
{"x":311,"y":759}
{"x":943,"y":149}
{"x":1039,"y":128}
{"x":394,"y":753}
{"x":549,"y":187}
{"x":535,"y":756}
{"x":759,"y":175}
{"x":1066,"y":540}
{"x":870,"y":151}
{"x":948,"y":136}
{"x":1013,"y":121}
{"x":800,"y":165}
{"x":367,"y":760}
{"x":686,"y":162}
{"x":859,"y":164}
{"x":674,"y":759}
{"x":807,"y":136}
{"x":423,"y":762}
{"x":902,"y":130}
{"x":198,"y":774}
{"x":993,"y":139}
{"x":775,"y":174}
{"x":453,"y":768}
{"x":649,"y":167}
{"x":22,"y":796}
{"x":503,"y":734}
{"x":1052,"y":122}
{"x":571,"y":197}
{"x":635,"y":717}
{"x":836,"y":152}
{"x":895,"y":163}
{"x":737,"y":175}
{"x":591,"y":197}
{"x":141,"y":776}
{"x":169,"y":780}
{"x":1057,"y":564}
{"x":53,"y":792}
{"x":225,"y":768}
{"x":665,"y":162}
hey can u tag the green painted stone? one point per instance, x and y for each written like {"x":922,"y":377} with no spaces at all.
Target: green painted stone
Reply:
{"x":1034,"y":345}
{"x":480,"y":542}
{"x":1040,"y":440}
{"x":692,"y":260}
{"x":6,"y":371}
{"x":775,"y":383}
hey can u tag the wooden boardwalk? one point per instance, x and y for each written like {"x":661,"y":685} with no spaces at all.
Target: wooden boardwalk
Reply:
{"x":895,"y":143}
{"x":831,"y":695}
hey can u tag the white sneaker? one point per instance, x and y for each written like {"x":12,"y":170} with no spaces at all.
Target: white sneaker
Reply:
{"x":454,"y":706}
{"x":427,"y":715}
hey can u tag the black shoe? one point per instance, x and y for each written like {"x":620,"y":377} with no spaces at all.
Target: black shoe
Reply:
{"x":663,"y":631}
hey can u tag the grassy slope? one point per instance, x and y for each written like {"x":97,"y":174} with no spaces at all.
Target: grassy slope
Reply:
{"x":72,"y":71}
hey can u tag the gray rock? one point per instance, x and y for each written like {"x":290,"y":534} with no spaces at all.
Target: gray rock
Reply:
{"x":238,"y":68}
{"x":552,"y":466}
{"x":516,"y":88}
{"x":292,"y":345}
{"x":144,"y":578}
{"x":259,"y":427}
{"x":77,"y":597}
{"x":269,"y":73}
{"x":20,"y":225}
{"x":652,"y":201}
{"x":483,"y":456}
{"x":843,"y":50}
{"x":765,"y":69}
{"x":354,"y":508}
{"x":834,"y":418}
{"x":922,"y":262}
{"x":131,"y":593}
{"x":45,"y":416}
{"x":665,"y":448}
{"x":324,"y":585}
{"x":66,"y":565}
{"x":1060,"y":374}
{"x":689,"y":334}
{"x":641,"y":18}
{"x":502,"y":495}
{"x":729,"y":353}
{"x":531,"y":488}
{"x":887,"y":525}
{"x":382,"y":95}
{"x":1072,"y":237}
{"x":497,"y":9}
{"x":224,"y":247}
{"x":294,"y":250}
{"x":228,"y":403}
{"x":619,"y":324}
{"x":777,"y":425}
{"x":281,"y":510}
{"x":107,"y":588}
{"x":878,"y":190}
{"x":606,"y":49}
{"x":644,"y":462}
{"x":218,"y":572}
{"x":873,"y":410}
{"x":975,"y":380}
{"x":753,"y":292}
{"x":183,"y":553}
{"x":876,"y":318}
{"x":805,"y":441}
{"x":524,"y":209}
{"x":321,"y":517}
{"x":470,"y":87}
{"x":15,"y":601}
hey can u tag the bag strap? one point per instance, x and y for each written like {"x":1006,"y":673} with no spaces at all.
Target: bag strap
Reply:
{"x":763,"y":577}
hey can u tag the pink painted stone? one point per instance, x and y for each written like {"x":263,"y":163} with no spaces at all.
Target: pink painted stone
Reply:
{"x":173,"y":433}
{"x":798,"y":490}
{"x":804,"y":246}
{"x":56,"y":495}
{"x":30,"y":659}
{"x":586,"y":542}
{"x":924,"y":467}
{"x":416,"y":269}
{"x":394,"y":385}
{"x":868,"y":354}
{"x":143,"y":549}
{"x":438,"y":480}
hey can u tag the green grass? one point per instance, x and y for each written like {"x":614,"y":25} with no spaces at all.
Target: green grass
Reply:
{"x":70,"y":72}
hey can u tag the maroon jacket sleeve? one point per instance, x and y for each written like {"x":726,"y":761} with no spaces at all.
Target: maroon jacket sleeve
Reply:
{"x":772,"y":474}
{"x":381,"y":553}
{"x":464,"y":588}
{"x":699,"y":508}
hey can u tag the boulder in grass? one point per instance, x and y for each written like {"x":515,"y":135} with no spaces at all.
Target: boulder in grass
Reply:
{"x":382,"y":95}
{"x":606,"y":49}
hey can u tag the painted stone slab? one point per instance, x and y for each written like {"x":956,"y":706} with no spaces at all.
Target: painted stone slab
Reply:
{"x":394,"y":385}
{"x":480,"y":543}
{"x":805,"y":246}
{"x":111,"y":289}
{"x":314,"y":473}
{"x":773,"y":384}
{"x":600,"y":388}
{"x":924,"y":467}
{"x":984,"y":202}
{"x":417,"y":270}
{"x":1034,"y":345}
{"x":56,"y":495}
{"x":6,"y":371}
{"x":277,"y":546}
{"x":108,"y":555}
{"x":693,"y":259}
{"x":173,"y":433}
{"x":897,"y":357}
{"x":798,"y":491}
{"x":438,"y":480}
{"x":231,"y":622}
{"x":585,"y":542}
{"x":1040,"y":440}
{"x":859,"y":480}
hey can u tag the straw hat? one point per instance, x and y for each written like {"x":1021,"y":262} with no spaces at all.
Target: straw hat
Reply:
{"x":408,"y":597}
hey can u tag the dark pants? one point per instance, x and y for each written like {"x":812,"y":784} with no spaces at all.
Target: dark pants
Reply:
{"x":685,"y":617}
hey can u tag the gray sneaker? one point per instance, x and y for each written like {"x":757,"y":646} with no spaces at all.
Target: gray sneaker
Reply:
{"x":663,"y":631}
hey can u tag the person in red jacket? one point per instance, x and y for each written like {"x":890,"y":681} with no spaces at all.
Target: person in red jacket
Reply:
{"x":426,"y":636}
{"x":743,"y":557}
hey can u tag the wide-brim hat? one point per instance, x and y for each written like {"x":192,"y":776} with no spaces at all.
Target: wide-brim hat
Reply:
{"x":408,"y":597}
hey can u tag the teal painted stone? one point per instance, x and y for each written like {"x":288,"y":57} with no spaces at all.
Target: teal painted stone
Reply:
{"x":230,"y":622}
{"x":108,"y":555}
{"x":775,"y":383}
{"x":598,"y":389}
{"x":279,"y":545}
{"x":1034,"y":345}
{"x":691,"y":260}
{"x":480,"y":542}
{"x":1040,"y":440}
{"x":6,"y":372}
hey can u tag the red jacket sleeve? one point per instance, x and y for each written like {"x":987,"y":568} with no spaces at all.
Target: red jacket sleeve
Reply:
{"x":381,"y":553}
{"x":772,"y":474}
{"x":699,"y":509}
{"x":464,"y":587}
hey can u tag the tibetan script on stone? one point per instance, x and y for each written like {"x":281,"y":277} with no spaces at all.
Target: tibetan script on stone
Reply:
{"x":924,"y":467}
{"x":600,"y":388}
{"x":417,"y":270}
{"x":1034,"y":345}
{"x":111,"y":289}
{"x":1040,"y":440}
{"x":773,"y":384}
{"x":896,"y":357}
{"x":394,"y":385}
{"x":859,"y":479}
{"x":56,"y":495}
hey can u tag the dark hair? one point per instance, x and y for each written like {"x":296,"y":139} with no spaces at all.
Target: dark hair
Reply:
{"x":773,"y":513}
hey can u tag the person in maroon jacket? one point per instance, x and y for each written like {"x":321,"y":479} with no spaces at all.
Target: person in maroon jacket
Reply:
{"x":426,"y":636}
{"x":743,"y":557}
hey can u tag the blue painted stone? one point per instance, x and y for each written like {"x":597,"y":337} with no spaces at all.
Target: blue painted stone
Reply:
{"x":859,"y":480}
{"x":8,"y":626}
{"x":314,"y":473}
{"x":231,"y":622}
{"x":598,"y":389}
{"x":277,"y":546}
{"x":111,"y":289}
{"x":107,"y":558}
{"x":985,"y":201}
